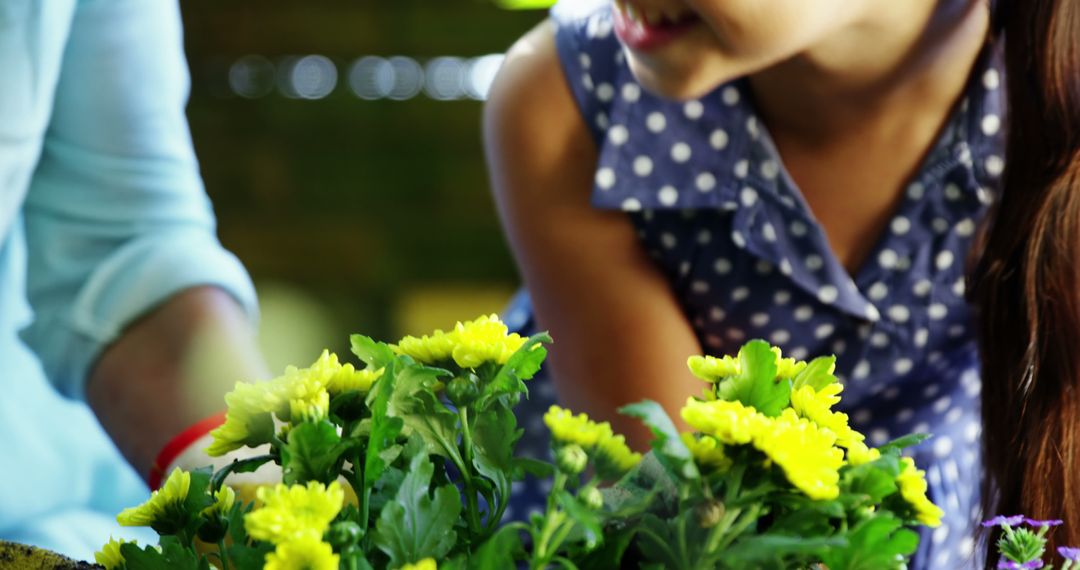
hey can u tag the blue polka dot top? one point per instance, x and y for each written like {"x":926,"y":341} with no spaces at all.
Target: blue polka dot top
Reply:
{"x":725,"y":223}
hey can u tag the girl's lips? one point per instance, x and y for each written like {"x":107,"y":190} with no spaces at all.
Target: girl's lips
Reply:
{"x":643,"y":36}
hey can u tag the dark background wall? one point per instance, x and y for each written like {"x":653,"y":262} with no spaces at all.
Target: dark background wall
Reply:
{"x":352,"y":214}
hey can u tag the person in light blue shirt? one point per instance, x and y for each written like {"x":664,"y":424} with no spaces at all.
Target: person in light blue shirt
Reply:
{"x":111,"y":277}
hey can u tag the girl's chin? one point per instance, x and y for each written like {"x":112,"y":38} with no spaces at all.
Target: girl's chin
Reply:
{"x":680,"y":83}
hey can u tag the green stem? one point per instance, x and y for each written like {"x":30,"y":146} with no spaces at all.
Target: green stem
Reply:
{"x":471,"y":505}
{"x":560,"y":535}
{"x":557,"y":486}
{"x":684,"y":553}
{"x":362,"y":493}
{"x":750,"y":517}
{"x":541,"y":556}
{"x":222,"y":554}
{"x":720,"y":530}
{"x":659,"y":542}
{"x":553,"y":518}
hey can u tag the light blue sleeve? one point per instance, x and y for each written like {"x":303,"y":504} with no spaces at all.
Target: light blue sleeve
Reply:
{"x":116,"y":217}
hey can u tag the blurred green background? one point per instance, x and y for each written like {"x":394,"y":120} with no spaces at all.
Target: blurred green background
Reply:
{"x":340,"y":142}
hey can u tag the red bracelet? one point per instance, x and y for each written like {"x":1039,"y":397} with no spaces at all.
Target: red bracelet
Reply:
{"x":178,"y":444}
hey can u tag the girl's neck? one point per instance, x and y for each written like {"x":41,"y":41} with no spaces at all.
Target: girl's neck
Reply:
{"x":899,"y":57}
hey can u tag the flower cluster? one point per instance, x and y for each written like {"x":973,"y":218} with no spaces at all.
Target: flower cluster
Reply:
{"x":469,"y":344}
{"x":578,"y":438}
{"x":294,"y":519}
{"x":288,"y":512}
{"x":299,"y":395}
{"x":109,"y":556}
{"x":164,"y":506}
{"x":807,"y":439}
{"x":912,"y":483}
{"x":423,"y":439}
{"x":1023,"y":543}
{"x":716,"y":369}
{"x":805,"y":452}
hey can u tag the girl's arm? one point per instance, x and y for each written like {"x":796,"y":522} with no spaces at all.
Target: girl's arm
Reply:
{"x":620,"y":335}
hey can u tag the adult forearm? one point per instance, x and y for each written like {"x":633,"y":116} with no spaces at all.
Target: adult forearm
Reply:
{"x":171,"y":369}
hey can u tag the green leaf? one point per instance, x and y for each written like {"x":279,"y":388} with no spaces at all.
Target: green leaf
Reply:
{"x":198,"y":497}
{"x":535,"y":467}
{"x":244,"y":557}
{"x":649,"y":481}
{"x":521,"y":366}
{"x":502,"y":550}
{"x":667,"y":445}
{"x":249,"y":465}
{"x":755,"y":548}
{"x":384,"y":428}
{"x":373,"y":353}
{"x":173,"y":556}
{"x":895,"y":446}
{"x":808,"y":518}
{"x":418,"y":525}
{"x":494,"y":434}
{"x":386,"y":488}
{"x":610,"y":554}
{"x":756,"y":384}
{"x":587,"y":526}
{"x":817,"y":374}
{"x":874,"y":481}
{"x":656,"y":541}
{"x":415,"y":402}
{"x":311,"y":454}
{"x":879,"y":543}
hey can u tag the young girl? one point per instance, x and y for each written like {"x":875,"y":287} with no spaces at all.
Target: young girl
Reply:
{"x":680,"y":176}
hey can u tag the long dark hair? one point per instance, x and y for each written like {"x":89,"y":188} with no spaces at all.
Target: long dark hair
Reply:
{"x":1026,"y":282}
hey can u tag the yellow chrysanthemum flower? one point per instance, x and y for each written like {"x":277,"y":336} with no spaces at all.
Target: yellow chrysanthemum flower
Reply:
{"x":224,"y":498}
{"x":787,"y":367}
{"x":291,"y":512}
{"x":566,"y":428}
{"x":613,"y":458}
{"x":330,"y":374}
{"x":816,"y":406}
{"x":247,"y":421}
{"x":470,"y":344}
{"x":858,"y":454}
{"x":313,"y":409}
{"x":301,"y":387}
{"x":730,"y":422}
{"x":806,"y":453}
{"x":432,"y":349}
{"x":109,"y":556}
{"x":713,"y":369}
{"x":912,"y":483}
{"x":707,"y":452}
{"x":303,"y":553}
{"x":425,"y":564}
{"x":349,"y":379}
{"x":484,"y":340}
{"x":161,"y":502}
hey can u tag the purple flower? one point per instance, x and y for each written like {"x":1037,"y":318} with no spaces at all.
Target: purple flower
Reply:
{"x":1033,"y":522}
{"x":1007,"y":564}
{"x":1069,"y":553}
{"x":1002,"y":520}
